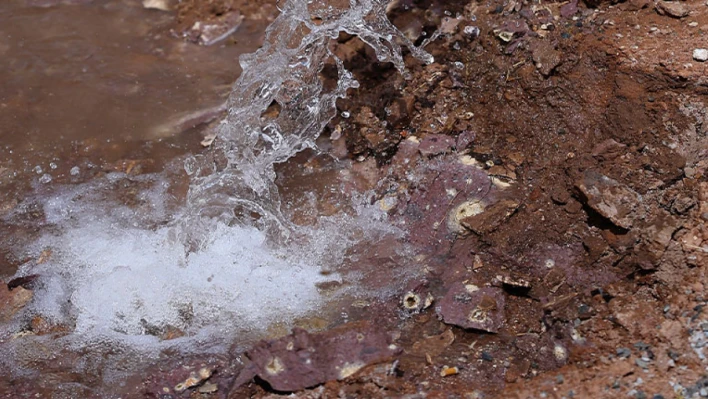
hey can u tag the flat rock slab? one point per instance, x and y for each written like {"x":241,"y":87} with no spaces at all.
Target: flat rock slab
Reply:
{"x":611,"y":199}
{"x":492,"y":216}
{"x":673,"y":9}
{"x":435,"y":144}
{"x":468,"y":306}
{"x":303,"y":360}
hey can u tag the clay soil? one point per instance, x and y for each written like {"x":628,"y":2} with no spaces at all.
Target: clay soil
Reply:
{"x":589,"y":124}
{"x":595,"y":118}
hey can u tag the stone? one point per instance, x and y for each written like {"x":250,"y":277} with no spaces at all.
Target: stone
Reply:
{"x":545,"y":57}
{"x":492,"y":216}
{"x":435,"y":144}
{"x":468,"y":306}
{"x":700,"y":54}
{"x":302,"y":360}
{"x":673,"y":9}
{"x":12,"y":301}
{"x":162,"y":5}
{"x":611,"y":199}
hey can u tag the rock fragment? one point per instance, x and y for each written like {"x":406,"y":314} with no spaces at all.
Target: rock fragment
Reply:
{"x":302,"y":360}
{"x":491,"y":218}
{"x":162,"y":5}
{"x":476,"y":308}
{"x":700,"y":54}
{"x":569,"y":9}
{"x":546,"y":57}
{"x":435,"y":144}
{"x":611,"y":199}
{"x":12,"y":301}
{"x":673,"y":9}
{"x":207,"y":34}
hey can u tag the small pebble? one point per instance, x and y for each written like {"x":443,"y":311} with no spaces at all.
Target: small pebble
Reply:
{"x":560,"y":379}
{"x":641,"y":346}
{"x":640,"y":395}
{"x":641,"y":363}
{"x":623,"y":352}
{"x":486,"y":356}
{"x":658,"y":396}
{"x":700,"y":54}
{"x":448,"y":371}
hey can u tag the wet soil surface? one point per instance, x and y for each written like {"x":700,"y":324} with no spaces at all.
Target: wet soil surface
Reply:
{"x":550,"y":167}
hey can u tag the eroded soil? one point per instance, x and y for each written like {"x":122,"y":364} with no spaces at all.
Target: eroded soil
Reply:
{"x":551,"y":167}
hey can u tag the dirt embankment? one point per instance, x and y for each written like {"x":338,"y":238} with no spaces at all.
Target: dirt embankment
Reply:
{"x":587,"y":247}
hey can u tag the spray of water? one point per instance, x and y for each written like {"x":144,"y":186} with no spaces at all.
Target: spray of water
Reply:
{"x":225,"y":263}
{"x":238,"y":182}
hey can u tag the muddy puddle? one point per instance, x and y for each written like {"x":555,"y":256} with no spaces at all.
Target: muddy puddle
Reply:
{"x":105,"y":81}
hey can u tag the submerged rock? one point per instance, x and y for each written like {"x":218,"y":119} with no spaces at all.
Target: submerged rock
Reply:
{"x":12,"y":301}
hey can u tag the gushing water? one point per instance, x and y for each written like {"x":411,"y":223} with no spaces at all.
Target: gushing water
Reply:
{"x":286,"y":70}
{"x":228,"y":261}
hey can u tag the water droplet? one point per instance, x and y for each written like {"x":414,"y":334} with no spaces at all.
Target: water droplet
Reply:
{"x":46,"y":178}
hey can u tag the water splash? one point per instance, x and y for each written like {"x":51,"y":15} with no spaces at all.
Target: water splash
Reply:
{"x":236,"y":180}
{"x":111,"y":276}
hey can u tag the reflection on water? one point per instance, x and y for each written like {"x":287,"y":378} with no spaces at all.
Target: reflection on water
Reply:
{"x":108,"y":75}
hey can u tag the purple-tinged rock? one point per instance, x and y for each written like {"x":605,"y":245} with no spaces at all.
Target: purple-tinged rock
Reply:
{"x":468,"y":306}
{"x":569,"y":9}
{"x":435,"y":144}
{"x":302,"y":360}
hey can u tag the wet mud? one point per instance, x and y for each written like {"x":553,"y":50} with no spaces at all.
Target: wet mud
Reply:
{"x":550,"y":170}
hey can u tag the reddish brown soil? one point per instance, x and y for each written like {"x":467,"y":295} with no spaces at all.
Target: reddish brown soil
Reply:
{"x":599,"y":94}
{"x":576,"y":115}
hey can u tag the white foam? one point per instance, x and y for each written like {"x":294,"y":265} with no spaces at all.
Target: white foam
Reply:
{"x":110,"y":275}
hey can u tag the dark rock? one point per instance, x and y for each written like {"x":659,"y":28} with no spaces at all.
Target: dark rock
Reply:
{"x":672,"y":8}
{"x":468,"y":306}
{"x":641,"y":346}
{"x":682,"y":205}
{"x":302,"y":360}
{"x":27,"y":282}
{"x":612,"y":200}
{"x":435,"y":144}
{"x":624,"y":352}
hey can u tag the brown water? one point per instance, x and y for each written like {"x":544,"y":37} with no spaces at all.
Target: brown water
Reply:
{"x":104,"y":81}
